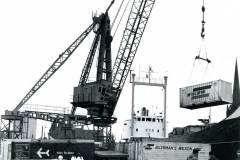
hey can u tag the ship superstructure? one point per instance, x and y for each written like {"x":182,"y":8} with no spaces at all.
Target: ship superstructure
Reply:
{"x":145,"y":126}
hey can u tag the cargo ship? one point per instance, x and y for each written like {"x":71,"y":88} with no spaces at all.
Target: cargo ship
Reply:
{"x":222,"y":138}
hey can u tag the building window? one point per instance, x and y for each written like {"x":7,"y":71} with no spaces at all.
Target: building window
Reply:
{"x":136,"y":129}
{"x":158,"y":130}
{"x":139,"y":119}
{"x":148,"y":119}
{"x":154,"y":119}
{"x":143,"y":119}
{"x":146,"y":130}
{"x":125,"y":124}
{"x":152,"y":130}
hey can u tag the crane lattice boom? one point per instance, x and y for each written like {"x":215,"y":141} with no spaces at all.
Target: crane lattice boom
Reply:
{"x":100,"y":97}
{"x":55,"y":66}
{"x":136,"y":24}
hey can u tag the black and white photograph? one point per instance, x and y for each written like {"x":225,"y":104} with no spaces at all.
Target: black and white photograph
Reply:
{"x":120,"y":80}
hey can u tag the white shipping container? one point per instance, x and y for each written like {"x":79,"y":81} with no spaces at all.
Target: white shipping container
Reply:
{"x":166,"y":150}
{"x":207,"y":94}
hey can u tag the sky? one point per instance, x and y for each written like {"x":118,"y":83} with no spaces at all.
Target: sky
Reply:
{"x":34,"y":33}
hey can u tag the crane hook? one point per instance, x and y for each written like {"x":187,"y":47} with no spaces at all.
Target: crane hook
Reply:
{"x":203,"y":22}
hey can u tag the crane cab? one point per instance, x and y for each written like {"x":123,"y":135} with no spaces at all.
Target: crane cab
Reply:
{"x":93,"y":96}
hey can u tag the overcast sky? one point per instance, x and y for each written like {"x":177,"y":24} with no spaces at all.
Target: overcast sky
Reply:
{"x":34,"y":33}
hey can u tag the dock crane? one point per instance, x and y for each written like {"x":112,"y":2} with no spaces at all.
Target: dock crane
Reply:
{"x":101,"y":96}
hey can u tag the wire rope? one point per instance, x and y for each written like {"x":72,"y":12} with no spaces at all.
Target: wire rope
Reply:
{"x":121,"y":18}
{"x":114,"y":20}
{"x":202,"y":46}
{"x":190,"y":76}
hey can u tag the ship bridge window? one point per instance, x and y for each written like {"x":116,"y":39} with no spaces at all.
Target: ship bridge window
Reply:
{"x":143,"y":119}
{"x":139,"y":119}
{"x":158,"y":120}
{"x":148,"y":119}
{"x":125,"y":124}
{"x":153,"y":119}
{"x":136,"y":129}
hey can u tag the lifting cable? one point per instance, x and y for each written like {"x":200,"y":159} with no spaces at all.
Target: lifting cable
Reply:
{"x":203,"y":21}
{"x":121,"y":17}
{"x":203,"y":36}
{"x":114,"y":20}
{"x":202,"y":46}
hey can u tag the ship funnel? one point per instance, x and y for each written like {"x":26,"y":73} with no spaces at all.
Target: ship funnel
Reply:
{"x":144,"y":111}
